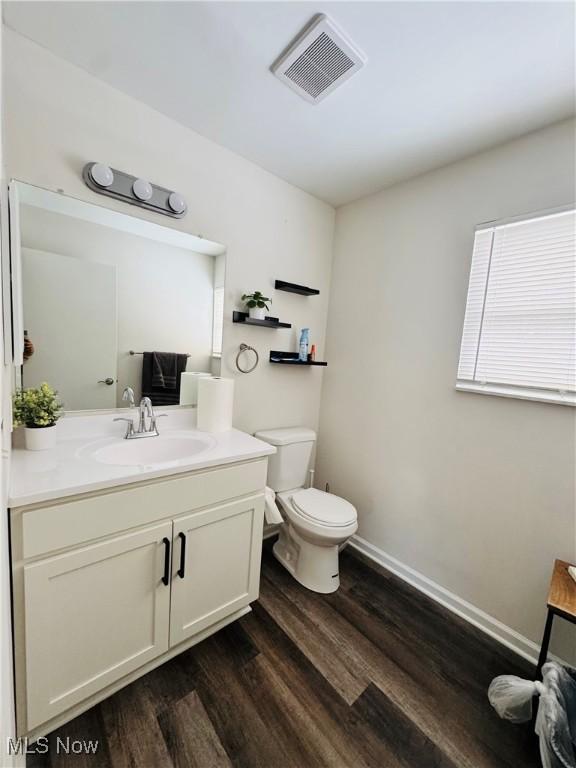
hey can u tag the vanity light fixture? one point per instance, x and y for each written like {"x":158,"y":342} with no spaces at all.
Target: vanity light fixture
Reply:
{"x":133,"y":190}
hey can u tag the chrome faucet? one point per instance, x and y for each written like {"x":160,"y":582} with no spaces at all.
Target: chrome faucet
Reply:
{"x":144,"y":409}
{"x":128,"y":395}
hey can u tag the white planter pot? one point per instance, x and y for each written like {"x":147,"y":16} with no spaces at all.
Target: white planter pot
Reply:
{"x":40,"y":438}
{"x":258,"y":313}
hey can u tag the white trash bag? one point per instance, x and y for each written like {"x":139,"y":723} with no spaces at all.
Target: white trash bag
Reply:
{"x":512,"y":698}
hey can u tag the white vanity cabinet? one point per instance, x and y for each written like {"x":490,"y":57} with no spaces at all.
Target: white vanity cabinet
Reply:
{"x":93,"y":614}
{"x":107,"y":586}
{"x":214,"y":570}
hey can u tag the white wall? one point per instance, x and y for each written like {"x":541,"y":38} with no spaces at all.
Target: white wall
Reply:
{"x":58,"y":117}
{"x":474,"y":492}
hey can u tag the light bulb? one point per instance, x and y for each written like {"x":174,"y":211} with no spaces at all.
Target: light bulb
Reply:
{"x":102,"y":175}
{"x":142,"y":189}
{"x":177,"y":202}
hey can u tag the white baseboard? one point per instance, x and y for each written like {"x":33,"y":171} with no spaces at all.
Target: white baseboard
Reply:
{"x":488,"y":624}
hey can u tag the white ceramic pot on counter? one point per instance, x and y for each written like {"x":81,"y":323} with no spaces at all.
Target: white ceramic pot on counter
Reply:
{"x":40,"y":438}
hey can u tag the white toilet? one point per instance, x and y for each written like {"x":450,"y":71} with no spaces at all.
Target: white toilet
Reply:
{"x":317,"y":524}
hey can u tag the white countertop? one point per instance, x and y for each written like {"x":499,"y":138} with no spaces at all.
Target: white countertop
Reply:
{"x":69,"y":469}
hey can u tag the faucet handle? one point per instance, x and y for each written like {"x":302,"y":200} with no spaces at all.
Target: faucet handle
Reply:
{"x":129,"y":425}
{"x":153,"y":427}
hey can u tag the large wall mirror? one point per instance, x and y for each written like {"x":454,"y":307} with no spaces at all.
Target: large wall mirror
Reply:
{"x":111,"y":301}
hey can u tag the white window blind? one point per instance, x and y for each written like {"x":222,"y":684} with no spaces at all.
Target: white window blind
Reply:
{"x":519,"y":335}
{"x":218,"y":322}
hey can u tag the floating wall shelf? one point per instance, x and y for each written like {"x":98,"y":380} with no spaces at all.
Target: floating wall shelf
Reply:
{"x":269,"y":322}
{"x":282,"y":285}
{"x":291,"y":358}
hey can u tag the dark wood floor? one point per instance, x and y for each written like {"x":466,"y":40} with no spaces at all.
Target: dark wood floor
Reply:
{"x":375,"y":675}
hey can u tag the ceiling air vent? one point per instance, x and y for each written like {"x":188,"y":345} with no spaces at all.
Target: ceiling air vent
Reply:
{"x":318,"y":61}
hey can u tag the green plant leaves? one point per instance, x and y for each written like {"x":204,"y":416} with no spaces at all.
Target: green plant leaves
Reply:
{"x":256,"y":299}
{"x":36,"y":407}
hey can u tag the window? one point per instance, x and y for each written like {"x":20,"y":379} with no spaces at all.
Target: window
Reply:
{"x":519,"y":336}
{"x":218,"y":322}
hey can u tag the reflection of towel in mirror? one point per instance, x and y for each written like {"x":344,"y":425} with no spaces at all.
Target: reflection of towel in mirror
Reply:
{"x":164,"y":365}
{"x":161,"y":373}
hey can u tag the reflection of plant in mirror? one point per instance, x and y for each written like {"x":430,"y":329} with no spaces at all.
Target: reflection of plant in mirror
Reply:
{"x":36,"y":408}
{"x":256,"y":299}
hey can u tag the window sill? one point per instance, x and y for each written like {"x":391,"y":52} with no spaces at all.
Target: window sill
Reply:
{"x":521,"y":393}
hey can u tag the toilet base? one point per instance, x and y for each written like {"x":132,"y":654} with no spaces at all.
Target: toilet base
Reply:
{"x":313,"y":566}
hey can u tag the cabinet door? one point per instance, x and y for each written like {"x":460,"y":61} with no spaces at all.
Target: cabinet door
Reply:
{"x":215,"y":565}
{"x":93,"y":615}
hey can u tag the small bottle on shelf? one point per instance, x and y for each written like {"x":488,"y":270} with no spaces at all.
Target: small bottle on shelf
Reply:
{"x":303,"y":347}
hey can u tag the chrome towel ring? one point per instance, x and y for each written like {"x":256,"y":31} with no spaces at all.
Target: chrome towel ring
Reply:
{"x":246,"y":348}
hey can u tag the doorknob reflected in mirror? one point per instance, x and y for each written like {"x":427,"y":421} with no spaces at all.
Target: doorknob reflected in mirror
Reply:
{"x":107,"y":381}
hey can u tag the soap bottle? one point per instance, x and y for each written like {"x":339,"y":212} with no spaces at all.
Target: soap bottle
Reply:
{"x":304,"y":339}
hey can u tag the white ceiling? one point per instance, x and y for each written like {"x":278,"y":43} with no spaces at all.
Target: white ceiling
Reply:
{"x":443,"y":79}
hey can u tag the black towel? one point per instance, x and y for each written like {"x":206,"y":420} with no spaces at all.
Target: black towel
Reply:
{"x":161,"y":373}
{"x":164,"y":367}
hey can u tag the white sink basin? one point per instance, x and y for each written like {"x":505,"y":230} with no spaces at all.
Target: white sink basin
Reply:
{"x":152,"y":450}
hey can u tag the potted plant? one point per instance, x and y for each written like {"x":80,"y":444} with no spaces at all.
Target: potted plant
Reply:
{"x":256,"y":304}
{"x":37,"y":410}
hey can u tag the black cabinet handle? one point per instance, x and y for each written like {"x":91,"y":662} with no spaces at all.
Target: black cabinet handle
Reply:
{"x":182,"y":537}
{"x":166,"y":577}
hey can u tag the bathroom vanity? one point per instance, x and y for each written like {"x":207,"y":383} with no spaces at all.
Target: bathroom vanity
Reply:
{"x":124,"y":552}
{"x":117,"y":567}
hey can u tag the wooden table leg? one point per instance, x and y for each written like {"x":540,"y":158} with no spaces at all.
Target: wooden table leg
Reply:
{"x":545,"y":643}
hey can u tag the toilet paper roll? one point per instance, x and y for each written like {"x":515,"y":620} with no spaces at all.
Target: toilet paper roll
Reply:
{"x":215,"y":404}
{"x":189,"y":386}
{"x":271,"y":512}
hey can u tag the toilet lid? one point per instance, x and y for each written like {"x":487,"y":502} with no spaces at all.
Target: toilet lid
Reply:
{"x":324,"y":508}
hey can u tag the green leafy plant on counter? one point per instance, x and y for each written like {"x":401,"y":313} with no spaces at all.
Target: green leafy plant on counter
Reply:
{"x":36,"y":407}
{"x":256,"y":299}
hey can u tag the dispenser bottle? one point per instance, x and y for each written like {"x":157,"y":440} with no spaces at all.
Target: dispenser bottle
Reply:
{"x":304,"y":341}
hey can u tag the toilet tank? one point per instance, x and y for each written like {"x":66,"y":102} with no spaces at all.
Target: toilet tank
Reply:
{"x":288,"y":467}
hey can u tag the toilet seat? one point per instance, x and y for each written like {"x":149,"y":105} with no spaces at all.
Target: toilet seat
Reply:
{"x":324,"y":509}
